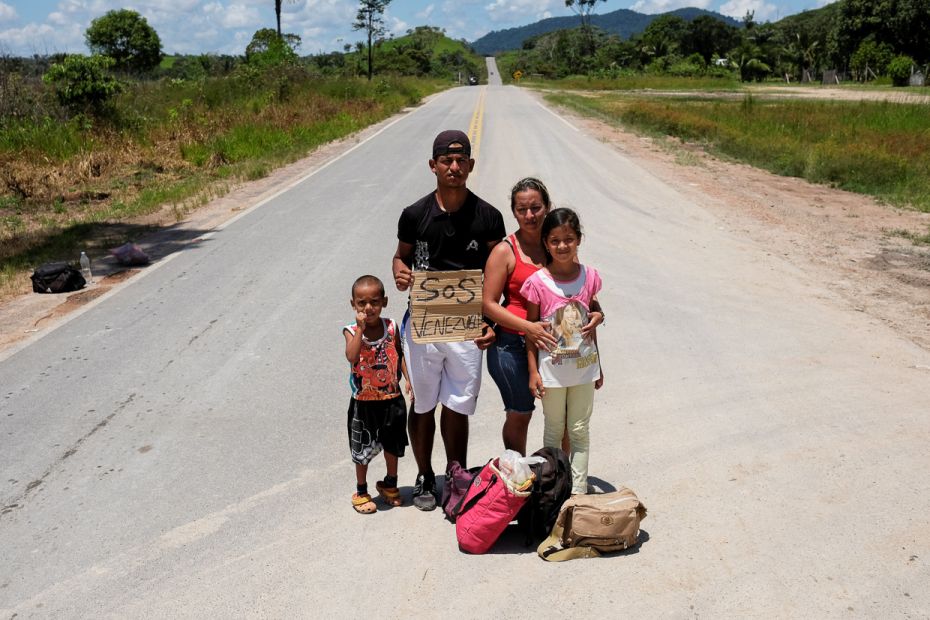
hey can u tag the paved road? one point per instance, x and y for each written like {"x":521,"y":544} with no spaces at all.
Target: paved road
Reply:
{"x":178,"y":450}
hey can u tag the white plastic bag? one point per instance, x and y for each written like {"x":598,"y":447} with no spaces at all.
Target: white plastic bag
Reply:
{"x":516,"y":468}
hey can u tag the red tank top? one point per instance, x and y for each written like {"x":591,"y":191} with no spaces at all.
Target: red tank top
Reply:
{"x":513,"y":300}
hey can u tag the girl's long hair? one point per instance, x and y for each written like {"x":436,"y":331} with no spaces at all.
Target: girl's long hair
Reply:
{"x":554,"y":219}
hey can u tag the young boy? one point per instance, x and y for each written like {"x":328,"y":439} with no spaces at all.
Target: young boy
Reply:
{"x":377,"y":417}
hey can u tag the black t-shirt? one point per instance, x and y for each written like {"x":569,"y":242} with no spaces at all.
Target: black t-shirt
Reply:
{"x":449,"y":241}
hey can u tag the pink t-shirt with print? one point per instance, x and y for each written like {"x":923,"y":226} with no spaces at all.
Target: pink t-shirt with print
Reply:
{"x":565,"y":305}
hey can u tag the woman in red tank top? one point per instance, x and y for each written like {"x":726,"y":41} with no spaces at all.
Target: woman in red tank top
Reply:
{"x":508,"y":266}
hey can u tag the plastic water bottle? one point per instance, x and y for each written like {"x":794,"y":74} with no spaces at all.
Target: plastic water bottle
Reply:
{"x":85,"y":268}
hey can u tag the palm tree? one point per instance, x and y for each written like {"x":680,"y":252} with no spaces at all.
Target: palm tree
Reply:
{"x":804,"y":54}
{"x":370,"y":18}
{"x":747,"y":58}
{"x":584,"y":9}
{"x":277,"y":13}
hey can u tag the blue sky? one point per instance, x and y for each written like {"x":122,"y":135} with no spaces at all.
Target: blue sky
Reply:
{"x":226,"y":26}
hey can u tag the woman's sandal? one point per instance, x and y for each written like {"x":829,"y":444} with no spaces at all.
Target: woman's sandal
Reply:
{"x":363,"y":504}
{"x":390,"y":495}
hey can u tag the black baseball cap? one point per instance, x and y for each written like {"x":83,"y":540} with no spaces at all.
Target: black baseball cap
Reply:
{"x":451,"y":141}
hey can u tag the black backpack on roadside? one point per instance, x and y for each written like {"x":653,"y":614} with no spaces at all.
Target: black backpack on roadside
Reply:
{"x":552,"y":486}
{"x":57,"y":278}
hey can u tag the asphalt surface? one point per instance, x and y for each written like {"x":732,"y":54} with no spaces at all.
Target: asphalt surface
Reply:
{"x":179,"y":449}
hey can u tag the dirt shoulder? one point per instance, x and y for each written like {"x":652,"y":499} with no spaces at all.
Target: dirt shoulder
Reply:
{"x":837,"y":238}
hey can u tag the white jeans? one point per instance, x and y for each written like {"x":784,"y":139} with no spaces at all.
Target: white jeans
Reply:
{"x":570,"y":409}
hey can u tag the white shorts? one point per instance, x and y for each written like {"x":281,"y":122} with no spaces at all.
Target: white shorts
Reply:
{"x":447,"y":373}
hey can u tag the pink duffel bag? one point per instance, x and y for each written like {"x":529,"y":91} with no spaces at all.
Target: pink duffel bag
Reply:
{"x":490,"y":505}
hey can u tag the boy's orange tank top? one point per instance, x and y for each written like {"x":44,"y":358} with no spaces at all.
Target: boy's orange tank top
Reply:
{"x":376,"y":375}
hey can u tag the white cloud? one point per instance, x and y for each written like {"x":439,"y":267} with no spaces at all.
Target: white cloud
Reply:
{"x":74,"y":7}
{"x":59,"y":19}
{"x":396,"y":27}
{"x":43,"y":39}
{"x":652,"y":7}
{"x":7,"y":13}
{"x":762,"y":11}
{"x":321,"y":24}
{"x":521,"y":11}
{"x":240,"y":16}
{"x":213,"y":8}
{"x":426,"y":12}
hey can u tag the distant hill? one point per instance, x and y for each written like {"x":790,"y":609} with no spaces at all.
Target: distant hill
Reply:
{"x":622,"y":22}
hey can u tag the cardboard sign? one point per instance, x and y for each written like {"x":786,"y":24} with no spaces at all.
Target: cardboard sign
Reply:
{"x":445,"y":306}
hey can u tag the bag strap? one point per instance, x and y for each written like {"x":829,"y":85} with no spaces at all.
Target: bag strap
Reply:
{"x":551,"y":550}
{"x":458,"y":504}
{"x":461,"y":508}
{"x":533,"y":502}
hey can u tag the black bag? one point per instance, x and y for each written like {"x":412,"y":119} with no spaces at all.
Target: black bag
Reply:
{"x":57,"y":278}
{"x":552,"y":486}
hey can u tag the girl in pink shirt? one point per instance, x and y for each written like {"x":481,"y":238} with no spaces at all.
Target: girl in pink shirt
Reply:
{"x":563,"y":294}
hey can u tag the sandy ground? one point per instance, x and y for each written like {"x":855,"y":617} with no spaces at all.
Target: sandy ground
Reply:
{"x":837,"y":238}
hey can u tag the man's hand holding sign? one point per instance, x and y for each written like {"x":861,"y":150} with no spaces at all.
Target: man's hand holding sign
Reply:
{"x":445,"y":306}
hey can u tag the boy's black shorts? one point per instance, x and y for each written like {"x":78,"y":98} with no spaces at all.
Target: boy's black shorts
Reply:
{"x":374,"y":425}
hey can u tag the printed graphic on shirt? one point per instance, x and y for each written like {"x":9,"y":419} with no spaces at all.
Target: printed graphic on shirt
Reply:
{"x":566,"y":324}
{"x":421,"y":257}
{"x":472,"y":246}
{"x":376,"y":374}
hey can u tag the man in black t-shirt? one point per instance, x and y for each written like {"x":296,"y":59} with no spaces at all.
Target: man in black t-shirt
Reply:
{"x":448,"y":229}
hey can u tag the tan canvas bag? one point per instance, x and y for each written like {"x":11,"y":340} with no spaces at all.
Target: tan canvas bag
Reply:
{"x":589,"y":525}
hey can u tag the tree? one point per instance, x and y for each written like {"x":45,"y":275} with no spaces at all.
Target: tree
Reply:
{"x":870,"y":56}
{"x":707,"y":35}
{"x":747,"y":58}
{"x":126,"y":37}
{"x":661,"y":37}
{"x":268,"y":48}
{"x":583,"y":9}
{"x":910,"y":25}
{"x":277,"y":13}
{"x":83,"y":83}
{"x":902,"y":24}
{"x":900,"y":70}
{"x":370,"y":18}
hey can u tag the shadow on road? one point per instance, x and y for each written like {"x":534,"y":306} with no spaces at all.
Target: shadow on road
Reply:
{"x":97,"y":239}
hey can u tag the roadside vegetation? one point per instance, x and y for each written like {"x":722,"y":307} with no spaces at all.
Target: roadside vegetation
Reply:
{"x":874,"y":148}
{"x":846,"y":41}
{"x":88,"y":143}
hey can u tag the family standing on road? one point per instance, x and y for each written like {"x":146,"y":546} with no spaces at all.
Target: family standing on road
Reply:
{"x":541,"y":313}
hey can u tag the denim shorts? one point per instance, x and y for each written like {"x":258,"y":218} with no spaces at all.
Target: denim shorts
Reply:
{"x":507,"y":366}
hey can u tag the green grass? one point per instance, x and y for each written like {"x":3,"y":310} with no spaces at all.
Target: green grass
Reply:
{"x":915,"y":238}
{"x":636,"y":82}
{"x":49,"y":137}
{"x":875,"y":148}
{"x":170,"y":146}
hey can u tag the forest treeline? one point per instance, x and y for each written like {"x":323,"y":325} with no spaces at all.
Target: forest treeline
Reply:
{"x":859,"y":39}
